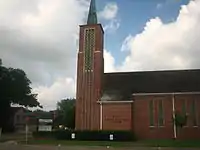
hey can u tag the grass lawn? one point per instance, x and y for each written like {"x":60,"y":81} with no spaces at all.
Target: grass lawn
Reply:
{"x":81,"y":143}
{"x":171,"y":143}
{"x":147,"y":143}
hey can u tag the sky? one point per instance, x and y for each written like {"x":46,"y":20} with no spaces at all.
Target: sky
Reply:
{"x":41,"y":37}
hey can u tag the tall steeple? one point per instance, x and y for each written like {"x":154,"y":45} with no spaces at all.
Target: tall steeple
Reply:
{"x":92,"y":16}
{"x":90,"y":69}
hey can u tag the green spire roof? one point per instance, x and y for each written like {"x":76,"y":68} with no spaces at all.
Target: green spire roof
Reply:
{"x":92,"y":16}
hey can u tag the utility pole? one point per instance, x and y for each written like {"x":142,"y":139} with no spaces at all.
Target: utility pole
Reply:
{"x":0,"y":132}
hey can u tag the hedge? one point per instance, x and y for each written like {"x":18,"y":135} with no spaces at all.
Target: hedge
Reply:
{"x":43,"y":135}
{"x":87,"y":135}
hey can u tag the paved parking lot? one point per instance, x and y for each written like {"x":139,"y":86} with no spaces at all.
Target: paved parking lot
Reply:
{"x":34,"y":147}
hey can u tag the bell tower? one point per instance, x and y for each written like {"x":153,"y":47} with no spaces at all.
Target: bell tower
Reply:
{"x":90,"y":69}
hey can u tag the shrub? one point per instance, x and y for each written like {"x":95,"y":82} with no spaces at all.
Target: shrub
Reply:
{"x":43,"y":134}
{"x":62,"y":134}
{"x":180,"y":119}
{"x":104,"y":135}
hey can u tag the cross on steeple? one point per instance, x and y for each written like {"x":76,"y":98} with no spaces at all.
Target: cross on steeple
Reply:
{"x":92,"y":16}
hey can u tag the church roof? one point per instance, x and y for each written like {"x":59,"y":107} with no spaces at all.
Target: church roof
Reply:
{"x":121,"y":86}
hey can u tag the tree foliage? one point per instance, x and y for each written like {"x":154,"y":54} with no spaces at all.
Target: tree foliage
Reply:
{"x":180,"y":119}
{"x":66,"y":113}
{"x":14,"y":89}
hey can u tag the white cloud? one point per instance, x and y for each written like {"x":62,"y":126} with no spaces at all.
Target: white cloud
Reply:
{"x":112,"y":26}
{"x":109,"y":62}
{"x":61,"y":88}
{"x":40,"y":37}
{"x":166,"y":46}
{"x":109,"y":12}
{"x":159,"y":5}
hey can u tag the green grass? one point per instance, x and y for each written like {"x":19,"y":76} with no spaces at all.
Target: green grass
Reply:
{"x":146,"y":143}
{"x":81,"y":143}
{"x":171,"y":143}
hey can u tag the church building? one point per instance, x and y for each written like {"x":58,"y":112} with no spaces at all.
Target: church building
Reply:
{"x":144,"y":102}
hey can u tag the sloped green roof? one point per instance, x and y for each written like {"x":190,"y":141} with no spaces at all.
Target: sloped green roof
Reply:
{"x":92,"y":16}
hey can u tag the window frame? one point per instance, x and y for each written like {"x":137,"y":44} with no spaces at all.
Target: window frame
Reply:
{"x":151,"y":113}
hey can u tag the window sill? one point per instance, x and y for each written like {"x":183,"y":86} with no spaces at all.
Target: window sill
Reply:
{"x":161,"y":126}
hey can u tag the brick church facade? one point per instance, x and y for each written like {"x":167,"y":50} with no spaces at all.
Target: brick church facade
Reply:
{"x":142,"y":102}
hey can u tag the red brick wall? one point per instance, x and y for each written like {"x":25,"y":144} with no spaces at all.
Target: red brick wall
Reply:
{"x":117,"y":116}
{"x":189,"y":131}
{"x":142,"y":118}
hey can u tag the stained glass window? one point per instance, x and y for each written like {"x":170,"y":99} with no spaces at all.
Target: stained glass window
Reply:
{"x":89,"y":45}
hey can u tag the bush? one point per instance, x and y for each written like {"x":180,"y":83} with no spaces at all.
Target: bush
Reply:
{"x":43,"y":134}
{"x":62,"y":134}
{"x":88,"y":135}
{"x":104,"y":135}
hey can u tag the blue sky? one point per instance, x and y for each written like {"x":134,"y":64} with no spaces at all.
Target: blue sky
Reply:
{"x":133,"y":15}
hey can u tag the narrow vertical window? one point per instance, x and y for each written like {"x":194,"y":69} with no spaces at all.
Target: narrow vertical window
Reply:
{"x":160,"y":113}
{"x":89,"y":45}
{"x":193,"y":113}
{"x":184,"y":112}
{"x":151,"y":113}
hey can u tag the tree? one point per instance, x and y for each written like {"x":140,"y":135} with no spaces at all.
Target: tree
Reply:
{"x":180,"y":120}
{"x":41,"y":114}
{"x":66,"y":113}
{"x":14,"y":89}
